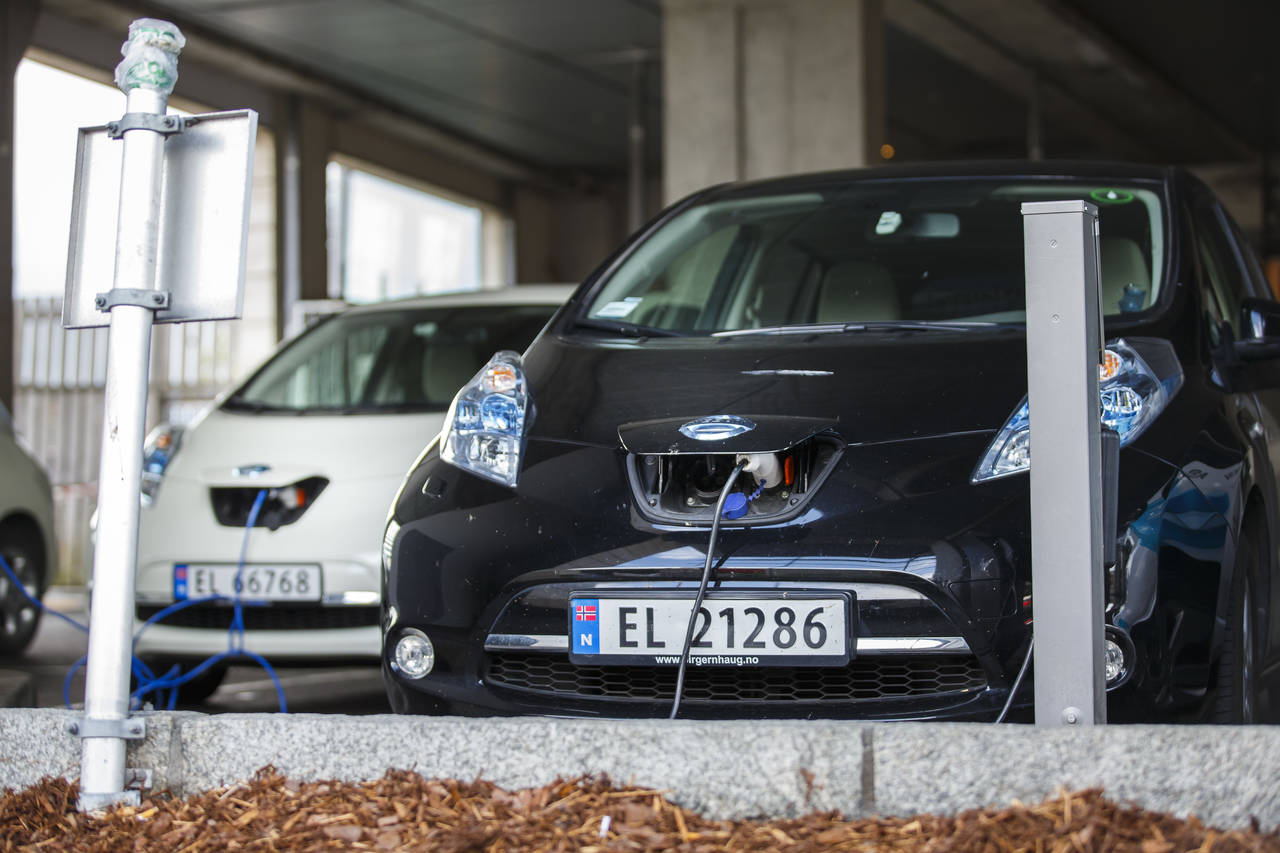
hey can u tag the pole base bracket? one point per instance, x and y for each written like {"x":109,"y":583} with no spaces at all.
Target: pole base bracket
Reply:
{"x":157,"y":300}
{"x":91,"y":803}
{"x":133,"y":728}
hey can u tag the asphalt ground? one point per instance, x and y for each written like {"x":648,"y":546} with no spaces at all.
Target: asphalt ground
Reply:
{"x":57,"y":646}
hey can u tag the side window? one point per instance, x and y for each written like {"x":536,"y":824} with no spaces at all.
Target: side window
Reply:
{"x":1255,"y":279}
{"x":1224,"y":283}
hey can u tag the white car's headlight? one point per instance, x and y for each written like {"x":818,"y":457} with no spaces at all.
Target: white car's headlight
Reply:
{"x":484,"y":430}
{"x":1131,"y":391}
{"x":158,"y":451}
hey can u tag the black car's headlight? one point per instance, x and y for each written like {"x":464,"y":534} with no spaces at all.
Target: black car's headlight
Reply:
{"x":484,"y":430}
{"x":1132,"y":390}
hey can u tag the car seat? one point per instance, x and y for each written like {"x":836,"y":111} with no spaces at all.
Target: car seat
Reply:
{"x":1122,"y":262}
{"x":858,"y":291}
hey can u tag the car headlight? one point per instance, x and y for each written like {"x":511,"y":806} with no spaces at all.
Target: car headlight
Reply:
{"x":484,"y":430}
{"x":161,"y":444}
{"x":389,"y":543}
{"x":1132,"y":391}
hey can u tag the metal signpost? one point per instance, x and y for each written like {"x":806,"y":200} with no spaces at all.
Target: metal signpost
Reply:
{"x":153,"y":227}
{"x":1064,"y":347}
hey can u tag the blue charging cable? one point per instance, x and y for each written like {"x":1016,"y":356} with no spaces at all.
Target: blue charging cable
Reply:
{"x":149,"y":682}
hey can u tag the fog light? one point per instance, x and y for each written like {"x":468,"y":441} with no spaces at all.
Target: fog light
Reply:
{"x":415,"y":656}
{"x":1117,"y":657}
{"x":1114,"y":658}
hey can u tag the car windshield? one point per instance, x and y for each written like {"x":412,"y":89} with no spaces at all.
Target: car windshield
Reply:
{"x":398,"y":360}
{"x":877,"y":254}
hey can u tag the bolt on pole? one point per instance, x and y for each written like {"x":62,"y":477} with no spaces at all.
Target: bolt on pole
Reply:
{"x":1064,"y":348}
{"x":147,"y":75}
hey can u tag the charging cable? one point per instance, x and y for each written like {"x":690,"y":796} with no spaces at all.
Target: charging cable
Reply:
{"x":235,"y":634}
{"x":148,"y":682}
{"x":702,"y":587}
{"x":1017,"y":682}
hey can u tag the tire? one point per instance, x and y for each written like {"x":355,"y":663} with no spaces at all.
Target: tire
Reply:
{"x":193,"y":692}
{"x":1235,"y":694}
{"x":19,"y":618}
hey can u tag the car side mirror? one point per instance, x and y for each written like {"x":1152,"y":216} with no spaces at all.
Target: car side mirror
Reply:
{"x":1259,"y":330}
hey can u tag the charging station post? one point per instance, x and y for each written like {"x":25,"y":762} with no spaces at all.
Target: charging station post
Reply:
{"x":106,"y":703}
{"x":167,"y":210}
{"x":1064,"y":350}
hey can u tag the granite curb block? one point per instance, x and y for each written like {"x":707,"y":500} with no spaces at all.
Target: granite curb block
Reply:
{"x":1225,"y":776}
{"x":727,"y":769}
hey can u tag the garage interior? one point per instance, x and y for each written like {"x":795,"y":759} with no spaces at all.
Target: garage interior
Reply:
{"x":570,"y":122}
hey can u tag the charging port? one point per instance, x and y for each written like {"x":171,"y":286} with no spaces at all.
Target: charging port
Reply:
{"x":683,"y":488}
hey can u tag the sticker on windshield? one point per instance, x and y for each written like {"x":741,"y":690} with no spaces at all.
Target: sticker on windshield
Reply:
{"x":889,"y":222}
{"x":618,"y":310}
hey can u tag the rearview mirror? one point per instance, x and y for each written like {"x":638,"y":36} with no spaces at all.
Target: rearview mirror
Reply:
{"x":1259,"y":330}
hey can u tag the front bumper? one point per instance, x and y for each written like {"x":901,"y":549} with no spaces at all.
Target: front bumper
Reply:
{"x":481,"y":569}
{"x":338,"y":534}
{"x":334,"y":646}
{"x":915,"y":654}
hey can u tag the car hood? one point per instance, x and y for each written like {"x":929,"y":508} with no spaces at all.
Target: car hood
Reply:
{"x":866,"y":387}
{"x":269,"y":450}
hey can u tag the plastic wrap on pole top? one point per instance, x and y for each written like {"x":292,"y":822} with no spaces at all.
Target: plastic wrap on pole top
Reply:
{"x":150,"y":56}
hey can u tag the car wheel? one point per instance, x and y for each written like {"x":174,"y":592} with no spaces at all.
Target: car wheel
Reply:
{"x":19,"y":618}
{"x":1235,"y":694}
{"x":191,"y":692}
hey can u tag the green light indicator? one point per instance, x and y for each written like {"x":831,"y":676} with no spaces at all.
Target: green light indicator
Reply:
{"x":1108,"y":195}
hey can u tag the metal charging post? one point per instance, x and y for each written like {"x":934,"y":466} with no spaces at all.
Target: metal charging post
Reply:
{"x":132,"y":303}
{"x":1064,"y":347}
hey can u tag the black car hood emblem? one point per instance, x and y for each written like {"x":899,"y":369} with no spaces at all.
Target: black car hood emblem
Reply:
{"x":716,"y":427}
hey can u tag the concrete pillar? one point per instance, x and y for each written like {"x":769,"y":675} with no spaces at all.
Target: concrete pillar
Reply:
{"x":17,"y":19}
{"x":757,"y":88}
{"x":303,"y":145}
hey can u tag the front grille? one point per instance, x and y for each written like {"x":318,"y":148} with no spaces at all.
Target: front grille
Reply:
{"x":277,"y":618}
{"x":863,"y":679}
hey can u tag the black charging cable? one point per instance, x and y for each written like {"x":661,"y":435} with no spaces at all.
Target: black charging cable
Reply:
{"x":702,"y":587}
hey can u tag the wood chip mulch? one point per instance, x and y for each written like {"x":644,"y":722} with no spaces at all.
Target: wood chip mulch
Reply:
{"x":403,"y":811}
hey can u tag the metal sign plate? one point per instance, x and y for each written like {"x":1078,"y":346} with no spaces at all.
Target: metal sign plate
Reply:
{"x":204,"y":220}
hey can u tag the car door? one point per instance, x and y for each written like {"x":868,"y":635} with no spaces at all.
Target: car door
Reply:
{"x":1233,"y":275}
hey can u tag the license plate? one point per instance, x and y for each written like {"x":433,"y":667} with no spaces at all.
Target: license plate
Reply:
{"x":257,"y":582}
{"x":731,"y":629}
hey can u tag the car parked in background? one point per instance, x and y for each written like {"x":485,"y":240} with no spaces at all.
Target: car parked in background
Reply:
{"x":26,"y":539}
{"x":851,"y":347}
{"x":309,"y":452}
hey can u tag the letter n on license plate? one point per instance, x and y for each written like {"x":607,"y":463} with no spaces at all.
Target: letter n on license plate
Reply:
{"x":731,"y":629}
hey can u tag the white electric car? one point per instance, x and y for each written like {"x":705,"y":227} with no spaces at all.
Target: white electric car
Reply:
{"x":26,"y":539}
{"x":293,"y":472}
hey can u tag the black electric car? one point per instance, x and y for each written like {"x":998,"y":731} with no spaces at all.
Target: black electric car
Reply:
{"x":849,"y":348}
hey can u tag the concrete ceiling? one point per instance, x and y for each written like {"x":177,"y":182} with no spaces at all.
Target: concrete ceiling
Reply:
{"x":549,"y":82}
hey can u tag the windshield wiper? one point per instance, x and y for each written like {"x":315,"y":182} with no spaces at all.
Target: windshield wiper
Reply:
{"x":629,"y":330}
{"x":869,"y":326}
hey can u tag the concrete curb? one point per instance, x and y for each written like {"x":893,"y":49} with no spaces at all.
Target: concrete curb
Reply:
{"x":1223,"y":775}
